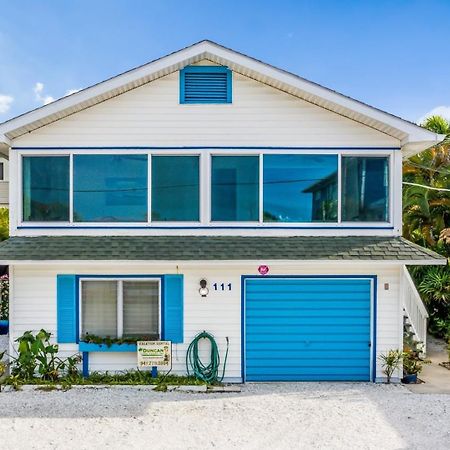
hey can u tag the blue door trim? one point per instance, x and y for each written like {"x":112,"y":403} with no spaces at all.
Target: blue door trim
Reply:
{"x":373,"y":300}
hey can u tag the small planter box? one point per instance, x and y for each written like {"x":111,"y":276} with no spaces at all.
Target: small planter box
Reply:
{"x":90,"y":347}
{"x":4,"y":327}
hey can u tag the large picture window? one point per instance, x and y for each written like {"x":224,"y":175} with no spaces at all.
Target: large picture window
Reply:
{"x":300,"y":188}
{"x":45,"y":188}
{"x":365,"y":189}
{"x":175,"y":188}
{"x":120,"y":308}
{"x":110,"y":188}
{"x":235,"y":188}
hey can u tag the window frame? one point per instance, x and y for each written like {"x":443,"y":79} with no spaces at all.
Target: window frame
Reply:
{"x":228,"y":223}
{"x":205,"y":172}
{"x":119,"y":318}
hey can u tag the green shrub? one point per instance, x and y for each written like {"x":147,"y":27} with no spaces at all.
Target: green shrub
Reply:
{"x":390,"y":362}
{"x":4,"y":297}
{"x":36,"y":355}
{"x":4,"y":224}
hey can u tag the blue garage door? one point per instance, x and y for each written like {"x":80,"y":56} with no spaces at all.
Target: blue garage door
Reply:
{"x":307,"y":329}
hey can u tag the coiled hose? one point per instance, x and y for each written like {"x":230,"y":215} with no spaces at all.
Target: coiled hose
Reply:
{"x":195,"y":366}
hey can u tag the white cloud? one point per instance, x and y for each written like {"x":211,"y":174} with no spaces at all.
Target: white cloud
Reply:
{"x":443,"y":111}
{"x":5,"y":103}
{"x":38,"y":92}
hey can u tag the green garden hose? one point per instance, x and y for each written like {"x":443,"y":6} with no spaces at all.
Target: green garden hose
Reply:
{"x":195,"y":366}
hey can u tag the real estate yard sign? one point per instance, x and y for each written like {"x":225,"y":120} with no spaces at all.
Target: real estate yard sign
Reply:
{"x":154,"y":354}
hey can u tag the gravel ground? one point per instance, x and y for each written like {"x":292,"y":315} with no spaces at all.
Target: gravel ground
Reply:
{"x":280,"y":416}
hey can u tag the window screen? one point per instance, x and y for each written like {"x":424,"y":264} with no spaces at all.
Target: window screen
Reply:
{"x":140,"y":308}
{"x":99,"y":308}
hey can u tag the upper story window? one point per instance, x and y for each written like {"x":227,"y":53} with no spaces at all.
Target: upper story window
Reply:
{"x":255,"y":188}
{"x":300,"y":188}
{"x":175,"y":188}
{"x":45,"y":195}
{"x":110,"y":188}
{"x":205,"y":84}
{"x":2,"y":171}
{"x":365,"y":189}
{"x":235,"y":188}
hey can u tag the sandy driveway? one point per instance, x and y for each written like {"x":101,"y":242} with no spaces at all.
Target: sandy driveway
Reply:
{"x":305,"y":415}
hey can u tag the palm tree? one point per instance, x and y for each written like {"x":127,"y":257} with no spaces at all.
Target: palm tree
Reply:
{"x":426,"y":212}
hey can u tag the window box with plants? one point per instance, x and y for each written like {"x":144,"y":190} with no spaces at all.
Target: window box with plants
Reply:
{"x":93,"y":343}
{"x":4,"y":304}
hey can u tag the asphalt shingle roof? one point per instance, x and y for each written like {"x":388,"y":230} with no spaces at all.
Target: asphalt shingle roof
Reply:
{"x":170,"y":248}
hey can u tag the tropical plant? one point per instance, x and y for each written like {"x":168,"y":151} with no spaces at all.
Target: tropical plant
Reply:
{"x":4,"y":224}
{"x":4,"y":297}
{"x":36,"y":355}
{"x":412,"y":363}
{"x":390,"y":362}
{"x":426,"y":210}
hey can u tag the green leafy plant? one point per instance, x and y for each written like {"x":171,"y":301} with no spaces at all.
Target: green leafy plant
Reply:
{"x":4,"y":297}
{"x":390,"y":362}
{"x":4,"y":224}
{"x":412,"y":363}
{"x":109,"y":341}
{"x":3,"y":368}
{"x":37,"y":355}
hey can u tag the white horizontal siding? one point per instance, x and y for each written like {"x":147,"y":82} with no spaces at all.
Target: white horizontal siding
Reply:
{"x":4,"y":193}
{"x":33,"y":305}
{"x":152,"y":116}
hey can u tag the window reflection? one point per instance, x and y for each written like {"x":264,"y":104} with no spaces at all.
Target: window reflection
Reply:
{"x":300,"y":188}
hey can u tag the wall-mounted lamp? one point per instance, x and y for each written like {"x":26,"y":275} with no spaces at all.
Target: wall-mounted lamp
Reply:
{"x":203,"y":291}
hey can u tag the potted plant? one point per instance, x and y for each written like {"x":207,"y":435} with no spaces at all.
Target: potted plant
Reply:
{"x":4,"y":304}
{"x":412,"y":365}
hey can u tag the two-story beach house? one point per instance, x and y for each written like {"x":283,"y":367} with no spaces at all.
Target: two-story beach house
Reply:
{"x":207,"y":190}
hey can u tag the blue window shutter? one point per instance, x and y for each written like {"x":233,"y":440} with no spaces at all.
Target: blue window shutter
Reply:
{"x":173,"y":319}
{"x":67,"y":309}
{"x":205,"y":84}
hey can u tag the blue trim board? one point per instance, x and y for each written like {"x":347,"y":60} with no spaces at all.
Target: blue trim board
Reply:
{"x":209,"y":147}
{"x":373,"y":278}
{"x":86,"y":347}
{"x":149,"y":227}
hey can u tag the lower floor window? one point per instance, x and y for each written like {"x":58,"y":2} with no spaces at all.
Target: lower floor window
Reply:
{"x":120,"y":308}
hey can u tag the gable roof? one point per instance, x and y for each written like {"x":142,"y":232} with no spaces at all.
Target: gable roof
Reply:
{"x":413,"y":138}
{"x":215,"y":248}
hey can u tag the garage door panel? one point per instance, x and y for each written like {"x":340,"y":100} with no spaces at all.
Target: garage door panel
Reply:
{"x":307,"y":329}
{"x":319,"y":356}
{"x":312,"y":377}
{"x":344,"y":321}
{"x":311,"y":345}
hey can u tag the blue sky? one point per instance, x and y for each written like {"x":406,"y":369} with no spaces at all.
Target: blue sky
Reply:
{"x":390,"y":54}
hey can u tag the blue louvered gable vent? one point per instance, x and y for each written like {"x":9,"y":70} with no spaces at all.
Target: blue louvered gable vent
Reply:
{"x":205,"y":84}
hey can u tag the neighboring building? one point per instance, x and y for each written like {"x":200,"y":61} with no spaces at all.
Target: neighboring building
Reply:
{"x":4,"y":183}
{"x":210,"y":165}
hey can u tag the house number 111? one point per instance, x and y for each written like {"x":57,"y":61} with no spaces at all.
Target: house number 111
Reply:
{"x":222,"y":287}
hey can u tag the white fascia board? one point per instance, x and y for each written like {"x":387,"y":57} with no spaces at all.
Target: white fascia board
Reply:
{"x":209,"y":49}
{"x":189,"y":263}
{"x":327,"y":94}
{"x":103,"y":87}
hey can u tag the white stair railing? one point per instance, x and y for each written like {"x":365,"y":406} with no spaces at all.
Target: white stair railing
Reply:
{"x":414,"y":308}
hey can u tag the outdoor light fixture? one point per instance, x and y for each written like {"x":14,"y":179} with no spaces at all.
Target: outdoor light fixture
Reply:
{"x":203,"y":291}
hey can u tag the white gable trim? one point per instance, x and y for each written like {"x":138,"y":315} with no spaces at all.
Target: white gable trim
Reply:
{"x":412,"y":137}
